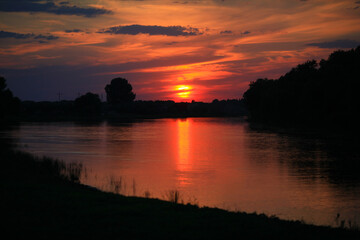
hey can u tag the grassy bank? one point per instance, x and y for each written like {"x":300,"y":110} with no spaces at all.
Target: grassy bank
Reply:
{"x":41,"y":198}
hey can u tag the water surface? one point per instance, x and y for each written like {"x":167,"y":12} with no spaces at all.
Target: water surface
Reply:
{"x":210,"y":161}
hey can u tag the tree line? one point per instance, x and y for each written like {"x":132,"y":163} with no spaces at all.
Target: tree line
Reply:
{"x":313,"y":93}
{"x":120,"y":103}
{"x":9,"y":105}
{"x":323,"y":93}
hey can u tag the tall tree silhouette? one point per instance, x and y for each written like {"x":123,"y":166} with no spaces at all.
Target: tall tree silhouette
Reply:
{"x":9,"y":105}
{"x":119,"y":90}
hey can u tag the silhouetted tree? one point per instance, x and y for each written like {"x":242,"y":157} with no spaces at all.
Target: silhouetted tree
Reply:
{"x":88,"y":104}
{"x":311,"y":93}
{"x":118,"y":91}
{"x":9,"y":105}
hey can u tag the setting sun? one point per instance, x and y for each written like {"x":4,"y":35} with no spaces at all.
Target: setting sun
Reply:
{"x":183,"y":91}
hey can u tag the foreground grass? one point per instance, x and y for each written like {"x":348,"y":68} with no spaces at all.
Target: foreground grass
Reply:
{"x":42,"y":201}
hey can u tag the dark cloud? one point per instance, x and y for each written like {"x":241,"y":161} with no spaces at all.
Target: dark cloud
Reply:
{"x":49,"y":37}
{"x":73,"y":30}
{"x":4,"y":34}
{"x":171,"y":43}
{"x":230,"y":32}
{"x":226,"y":32}
{"x":63,"y":8}
{"x":42,"y":41}
{"x":357,"y":7}
{"x":185,"y":2}
{"x":153,"y":30}
{"x":343,"y":43}
{"x":40,"y":37}
{"x":189,"y":2}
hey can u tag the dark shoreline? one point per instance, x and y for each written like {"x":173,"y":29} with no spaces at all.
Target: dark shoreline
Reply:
{"x":38,"y":201}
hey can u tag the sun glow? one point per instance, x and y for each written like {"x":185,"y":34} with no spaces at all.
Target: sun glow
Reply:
{"x":183,"y":91}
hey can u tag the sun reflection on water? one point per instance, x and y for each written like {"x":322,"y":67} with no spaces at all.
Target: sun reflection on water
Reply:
{"x":183,"y":160}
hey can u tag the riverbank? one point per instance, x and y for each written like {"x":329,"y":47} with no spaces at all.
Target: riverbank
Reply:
{"x":42,"y":198}
{"x":71,"y":111}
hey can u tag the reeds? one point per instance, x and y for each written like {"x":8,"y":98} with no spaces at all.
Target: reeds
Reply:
{"x":173,"y":196}
{"x":117,"y":185}
{"x":343,"y":223}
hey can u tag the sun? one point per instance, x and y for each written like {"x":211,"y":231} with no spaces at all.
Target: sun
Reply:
{"x":183,"y":91}
{"x":182,"y":87}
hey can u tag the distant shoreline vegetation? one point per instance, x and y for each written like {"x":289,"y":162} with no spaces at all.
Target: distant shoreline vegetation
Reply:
{"x":120,"y":105}
{"x":73,"y":110}
{"x":313,"y":94}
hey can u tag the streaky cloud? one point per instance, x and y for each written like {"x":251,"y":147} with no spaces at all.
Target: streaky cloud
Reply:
{"x":226,"y":32}
{"x":5,"y":34}
{"x":63,"y":8}
{"x":153,"y":30}
{"x":341,"y":43}
{"x":73,"y":30}
{"x":49,"y":37}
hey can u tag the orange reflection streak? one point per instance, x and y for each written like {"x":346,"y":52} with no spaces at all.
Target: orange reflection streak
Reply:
{"x":183,"y":161}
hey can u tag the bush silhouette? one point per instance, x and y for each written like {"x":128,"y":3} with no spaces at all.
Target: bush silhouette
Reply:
{"x":88,"y":104}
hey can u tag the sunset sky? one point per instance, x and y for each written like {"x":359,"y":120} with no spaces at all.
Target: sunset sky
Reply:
{"x":167,"y":49}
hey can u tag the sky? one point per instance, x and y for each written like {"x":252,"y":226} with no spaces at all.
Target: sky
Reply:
{"x":167,"y":49}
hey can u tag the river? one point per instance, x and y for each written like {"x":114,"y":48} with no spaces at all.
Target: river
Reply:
{"x":216,"y":162}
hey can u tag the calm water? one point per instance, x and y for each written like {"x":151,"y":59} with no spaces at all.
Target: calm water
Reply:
{"x":213,"y":162}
